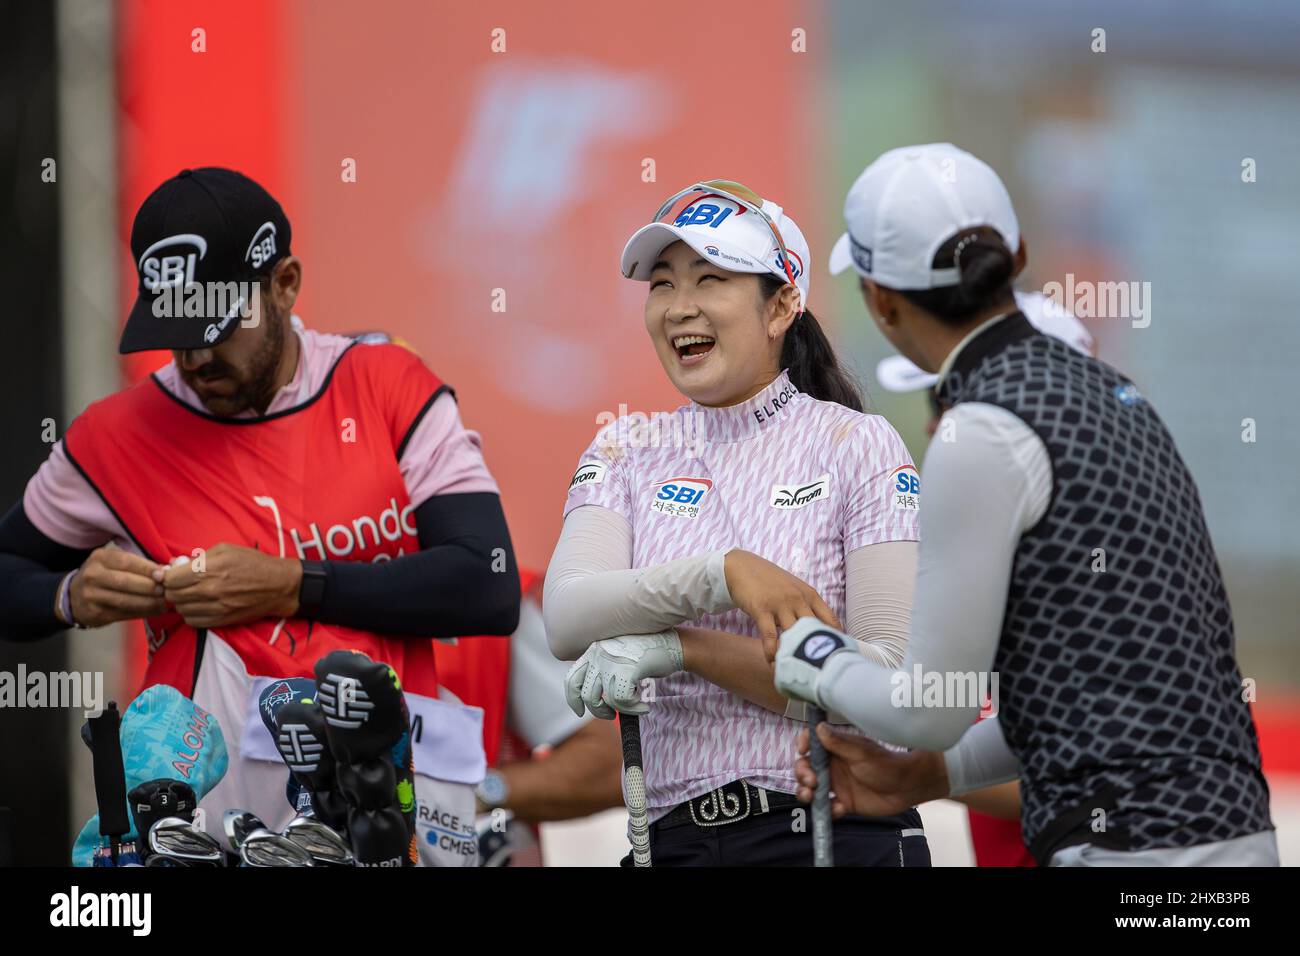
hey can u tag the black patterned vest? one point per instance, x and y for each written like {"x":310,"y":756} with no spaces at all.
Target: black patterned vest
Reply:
{"x":1119,"y":689}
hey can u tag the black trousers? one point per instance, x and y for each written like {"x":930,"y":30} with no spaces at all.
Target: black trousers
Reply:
{"x":784,"y":838}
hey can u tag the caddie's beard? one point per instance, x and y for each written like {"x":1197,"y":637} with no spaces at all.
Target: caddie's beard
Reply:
{"x":255,"y":382}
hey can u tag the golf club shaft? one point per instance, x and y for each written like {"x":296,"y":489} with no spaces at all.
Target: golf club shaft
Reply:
{"x":821,"y":805}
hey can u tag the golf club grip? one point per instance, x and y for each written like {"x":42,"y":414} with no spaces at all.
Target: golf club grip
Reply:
{"x":634,"y":788}
{"x":821,"y":805}
{"x":110,"y":777}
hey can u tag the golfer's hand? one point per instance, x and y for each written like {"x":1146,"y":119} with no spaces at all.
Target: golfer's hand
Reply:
{"x":115,"y":585}
{"x":802,"y":654}
{"x":773,"y":597}
{"x":235,"y":584}
{"x":607,"y":677}
{"x":867,"y":779}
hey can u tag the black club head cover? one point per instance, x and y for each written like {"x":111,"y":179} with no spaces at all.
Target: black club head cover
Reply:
{"x":300,"y":739}
{"x":274,"y":696}
{"x":368,"y":729}
{"x":155,"y":799}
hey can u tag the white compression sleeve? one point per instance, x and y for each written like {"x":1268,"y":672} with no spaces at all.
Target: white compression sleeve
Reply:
{"x":593,"y":593}
{"x":879,"y":580}
{"x":981,"y":490}
{"x":980,"y":759}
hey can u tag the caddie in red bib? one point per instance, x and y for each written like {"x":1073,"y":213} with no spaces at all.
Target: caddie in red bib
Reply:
{"x":290,"y":485}
{"x":273,"y":494}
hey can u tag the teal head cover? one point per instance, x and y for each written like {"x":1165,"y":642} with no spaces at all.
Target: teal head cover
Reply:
{"x":164,"y":734}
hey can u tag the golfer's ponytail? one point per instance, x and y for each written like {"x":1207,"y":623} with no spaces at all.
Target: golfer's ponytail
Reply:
{"x":985,"y":267}
{"x":814,"y":368}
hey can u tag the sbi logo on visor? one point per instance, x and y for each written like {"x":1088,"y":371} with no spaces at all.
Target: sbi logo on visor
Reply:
{"x":704,"y":214}
{"x":796,"y":264}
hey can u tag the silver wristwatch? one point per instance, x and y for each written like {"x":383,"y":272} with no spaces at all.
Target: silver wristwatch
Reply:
{"x":493,"y":791}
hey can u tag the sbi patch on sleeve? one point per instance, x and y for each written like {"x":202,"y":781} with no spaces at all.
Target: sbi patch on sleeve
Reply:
{"x":905,"y":488}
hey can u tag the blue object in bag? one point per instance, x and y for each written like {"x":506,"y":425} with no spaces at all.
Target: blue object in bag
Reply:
{"x":163,"y":734}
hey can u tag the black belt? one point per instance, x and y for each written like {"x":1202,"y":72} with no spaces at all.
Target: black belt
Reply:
{"x":1075,"y":825}
{"x":729,"y":803}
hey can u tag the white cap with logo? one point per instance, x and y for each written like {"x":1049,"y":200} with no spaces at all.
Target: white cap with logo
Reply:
{"x":908,"y":203}
{"x":727,"y":233}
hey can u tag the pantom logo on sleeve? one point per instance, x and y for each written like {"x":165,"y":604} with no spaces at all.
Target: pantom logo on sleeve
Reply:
{"x":680,"y":497}
{"x":797,"y":494}
{"x":905,"y":488}
{"x":591,"y":473}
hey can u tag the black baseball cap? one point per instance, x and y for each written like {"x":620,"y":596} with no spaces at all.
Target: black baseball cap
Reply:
{"x":202,"y":226}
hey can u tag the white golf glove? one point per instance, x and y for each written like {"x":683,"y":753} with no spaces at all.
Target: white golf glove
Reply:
{"x":606,"y":678}
{"x":803,"y":652}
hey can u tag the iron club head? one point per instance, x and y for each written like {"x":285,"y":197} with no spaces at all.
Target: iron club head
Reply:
{"x":237,"y":825}
{"x":266,"y":848}
{"x":180,"y":840}
{"x":324,"y":844}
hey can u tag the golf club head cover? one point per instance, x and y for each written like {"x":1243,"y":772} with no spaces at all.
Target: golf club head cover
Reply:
{"x":163,"y":734}
{"x":274,"y":696}
{"x":155,"y":799}
{"x":301,"y":740}
{"x":367,"y":727}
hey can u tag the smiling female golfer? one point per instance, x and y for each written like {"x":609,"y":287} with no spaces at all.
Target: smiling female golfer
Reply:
{"x":689,"y":535}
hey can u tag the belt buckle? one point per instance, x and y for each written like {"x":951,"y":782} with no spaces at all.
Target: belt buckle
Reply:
{"x":718,"y":804}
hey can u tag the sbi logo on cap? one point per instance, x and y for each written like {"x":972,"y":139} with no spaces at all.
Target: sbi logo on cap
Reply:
{"x":796,"y":264}
{"x":262,"y":249}
{"x":171,"y":261}
{"x":703,"y":214}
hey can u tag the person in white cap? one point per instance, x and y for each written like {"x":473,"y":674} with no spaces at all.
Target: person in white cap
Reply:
{"x":1064,"y":551}
{"x":995,"y":834}
{"x":691,"y":534}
